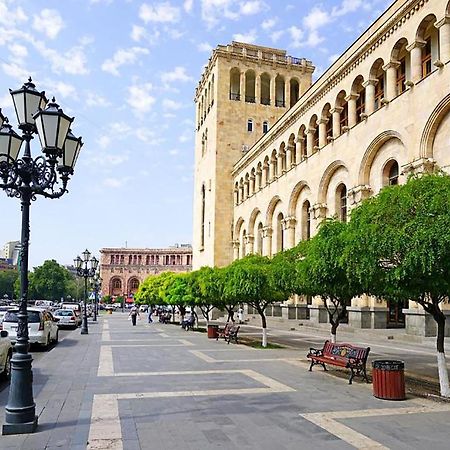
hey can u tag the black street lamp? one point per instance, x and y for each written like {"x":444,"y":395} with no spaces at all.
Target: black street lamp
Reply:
{"x":85,"y":268}
{"x":26,"y":178}
{"x":96,"y":286}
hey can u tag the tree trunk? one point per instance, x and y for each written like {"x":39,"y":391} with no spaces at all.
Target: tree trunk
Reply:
{"x":264,"y":328}
{"x":442,"y":365}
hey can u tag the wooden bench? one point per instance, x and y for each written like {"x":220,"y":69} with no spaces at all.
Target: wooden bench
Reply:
{"x":342,"y":355}
{"x":228,"y":332}
{"x":223,"y":332}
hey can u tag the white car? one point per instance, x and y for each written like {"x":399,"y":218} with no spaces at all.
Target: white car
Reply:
{"x":66,"y":318}
{"x":5,"y":355}
{"x":42,"y":326}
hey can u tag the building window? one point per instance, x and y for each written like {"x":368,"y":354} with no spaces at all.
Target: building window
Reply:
{"x":401,"y":77}
{"x":379,"y":91}
{"x":341,"y":196}
{"x":265,"y":127}
{"x":426,"y":58}
{"x":202,"y":230}
{"x":134,"y":284}
{"x":360,"y":105}
{"x":306,"y":219}
{"x":235,"y":86}
{"x":393,"y":174}
{"x":117,"y":284}
{"x":249,"y":125}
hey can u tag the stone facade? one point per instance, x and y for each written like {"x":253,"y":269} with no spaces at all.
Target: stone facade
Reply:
{"x":378,"y":114}
{"x":123,"y":269}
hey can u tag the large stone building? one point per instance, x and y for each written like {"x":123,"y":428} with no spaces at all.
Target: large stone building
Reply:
{"x":123,"y":269}
{"x":275,"y":154}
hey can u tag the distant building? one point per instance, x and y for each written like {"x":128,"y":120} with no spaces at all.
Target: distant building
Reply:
{"x":123,"y":269}
{"x":6,"y":264}
{"x":11,"y":251}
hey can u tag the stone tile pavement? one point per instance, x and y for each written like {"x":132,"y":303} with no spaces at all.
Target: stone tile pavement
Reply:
{"x":159,"y":387}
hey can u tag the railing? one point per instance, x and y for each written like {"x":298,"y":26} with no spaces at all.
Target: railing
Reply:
{"x":234,"y":96}
{"x":250,"y":99}
{"x":265,"y":101}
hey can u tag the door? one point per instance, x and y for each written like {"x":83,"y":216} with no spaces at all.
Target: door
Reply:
{"x":396,"y":318}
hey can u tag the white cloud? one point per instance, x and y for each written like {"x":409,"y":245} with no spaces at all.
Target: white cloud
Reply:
{"x":316,"y":19}
{"x":159,"y":13}
{"x":174,"y":152}
{"x":268,"y":24}
{"x":49,"y":22}
{"x":333,"y":58}
{"x":347,"y":6}
{"x":140,"y":99}
{"x":276,"y":35}
{"x":18,"y":51}
{"x":11,"y":18}
{"x":104,"y":141}
{"x":139,"y":34}
{"x":177,"y":74}
{"x":16,"y":71}
{"x":296,"y":36}
{"x":172,"y":105}
{"x":187,"y":5}
{"x":204,"y":47}
{"x":93,"y":99}
{"x":116,"y":182}
{"x":215,"y":10}
{"x":122,"y":57}
{"x":186,"y":136}
{"x":248,"y":38}
{"x":64,"y":90}
{"x":251,"y":7}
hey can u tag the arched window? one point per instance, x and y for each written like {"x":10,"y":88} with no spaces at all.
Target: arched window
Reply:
{"x":429,"y":34}
{"x":294,"y":91}
{"x":202,"y":229}
{"x":250,"y":79}
{"x":265,"y":89}
{"x":358,"y":89}
{"x":280,"y":235}
{"x":249,"y":125}
{"x":340,"y":102}
{"x":112,"y":259}
{"x":341,"y":202}
{"x":243,"y":246}
{"x":302,"y":143}
{"x":391,"y":173}
{"x":378,"y":74}
{"x":134,"y":284}
{"x":260,"y":239}
{"x":235,"y":84}
{"x":265,"y":127}
{"x":130,"y":260}
{"x":117,"y":284}
{"x":306,"y":221}
{"x":279,"y":91}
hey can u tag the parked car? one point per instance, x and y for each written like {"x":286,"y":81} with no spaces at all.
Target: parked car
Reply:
{"x":5,"y":355}
{"x":71,"y":305}
{"x":3,"y":310}
{"x":66,"y":318}
{"x":42,"y":326}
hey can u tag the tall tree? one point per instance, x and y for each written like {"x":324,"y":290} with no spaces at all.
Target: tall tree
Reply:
{"x":399,"y":249}
{"x":51,"y":281}
{"x":7,"y":280}
{"x":210,"y":286}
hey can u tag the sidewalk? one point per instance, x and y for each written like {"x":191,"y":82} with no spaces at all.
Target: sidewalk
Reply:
{"x":159,"y":387}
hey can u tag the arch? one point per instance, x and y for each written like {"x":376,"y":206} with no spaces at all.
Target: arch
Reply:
{"x":341,"y":202}
{"x":252,"y":219}
{"x":259,"y":239}
{"x":431,"y":127}
{"x":390,"y":173}
{"x":294,"y":89}
{"x":401,"y":56}
{"x":280,"y":233}
{"x":424,"y":26}
{"x":301,"y":139}
{"x":279,"y":91}
{"x":306,"y":221}
{"x":282,"y":157}
{"x":298,"y":188}
{"x":271,"y":208}
{"x":133,"y":285}
{"x":341,"y":102}
{"x":250,"y":85}
{"x":359,"y":90}
{"x":235,"y":84}
{"x":326,"y":177}
{"x":265,"y":89}
{"x":116,"y":286}
{"x":369,"y":155}
{"x":237,"y":228}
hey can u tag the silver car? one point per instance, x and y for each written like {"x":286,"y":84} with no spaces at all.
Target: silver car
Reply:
{"x":42,"y":326}
{"x":5,"y":355}
{"x":66,"y":318}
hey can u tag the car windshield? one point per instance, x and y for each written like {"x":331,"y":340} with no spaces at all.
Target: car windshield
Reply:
{"x":63,"y":312}
{"x":33,"y":316}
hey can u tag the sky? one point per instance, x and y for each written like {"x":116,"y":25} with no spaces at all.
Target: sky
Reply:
{"x":127,"y":71}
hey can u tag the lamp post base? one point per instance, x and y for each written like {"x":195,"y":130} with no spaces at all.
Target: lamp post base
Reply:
{"x":83,"y":331}
{"x":20,"y":428}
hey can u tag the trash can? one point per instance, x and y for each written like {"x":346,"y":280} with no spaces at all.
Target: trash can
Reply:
{"x":212,"y":331}
{"x":388,"y":378}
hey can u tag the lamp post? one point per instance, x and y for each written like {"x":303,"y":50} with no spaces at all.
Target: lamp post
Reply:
{"x":25,"y":178}
{"x":86,"y":268}
{"x":96,"y":285}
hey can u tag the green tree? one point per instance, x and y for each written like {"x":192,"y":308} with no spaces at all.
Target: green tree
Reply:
{"x":210,"y":285}
{"x":251,"y":280}
{"x":399,"y":249}
{"x":322,"y":272}
{"x":50,"y":281}
{"x":107,"y":299}
{"x":7,"y":280}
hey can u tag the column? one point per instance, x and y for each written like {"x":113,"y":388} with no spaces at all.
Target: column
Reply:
{"x":272,"y":91}
{"x":298,"y":149}
{"x":323,"y":132}
{"x":273,"y":170}
{"x":267,"y":241}
{"x":415,"y":50}
{"x":289,"y":226}
{"x":370,"y":95}
{"x":351,"y":103}
{"x":246,"y":189}
{"x":258,"y":181}
{"x":336,"y":114}
{"x":258,"y":88}
{"x":242,"y":86}
{"x":249,"y":244}
{"x":290,"y":153}
{"x":287,"y":94}
{"x":252,"y":184}
{"x":319,"y":213}
{"x":310,"y":141}
{"x":391,"y":80}
{"x":235,"y":250}
{"x":444,"y":38}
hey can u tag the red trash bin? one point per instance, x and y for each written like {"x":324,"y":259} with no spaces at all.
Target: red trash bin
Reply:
{"x":388,"y":379}
{"x":212,"y":331}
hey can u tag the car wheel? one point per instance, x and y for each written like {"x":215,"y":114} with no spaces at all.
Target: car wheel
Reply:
{"x":6,"y":374}
{"x":57,"y":337}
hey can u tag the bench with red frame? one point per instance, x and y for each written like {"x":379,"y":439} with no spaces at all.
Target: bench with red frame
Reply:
{"x":341,"y":355}
{"x":228,"y":332}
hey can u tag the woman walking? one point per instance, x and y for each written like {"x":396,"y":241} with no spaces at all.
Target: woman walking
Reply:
{"x":134,"y":313}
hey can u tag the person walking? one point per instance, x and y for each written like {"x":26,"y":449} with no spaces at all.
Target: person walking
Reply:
{"x":150,"y":312}
{"x":241,"y":314}
{"x":134,"y":313}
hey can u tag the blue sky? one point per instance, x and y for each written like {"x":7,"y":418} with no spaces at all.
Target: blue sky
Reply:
{"x":105,"y":62}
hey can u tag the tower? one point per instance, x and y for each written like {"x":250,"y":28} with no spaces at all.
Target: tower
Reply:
{"x":243,"y":91}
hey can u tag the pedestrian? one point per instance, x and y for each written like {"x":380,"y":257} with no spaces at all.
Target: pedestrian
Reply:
{"x":134,"y":313}
{"x":241,"y":314}
{"x":150,"y":312}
